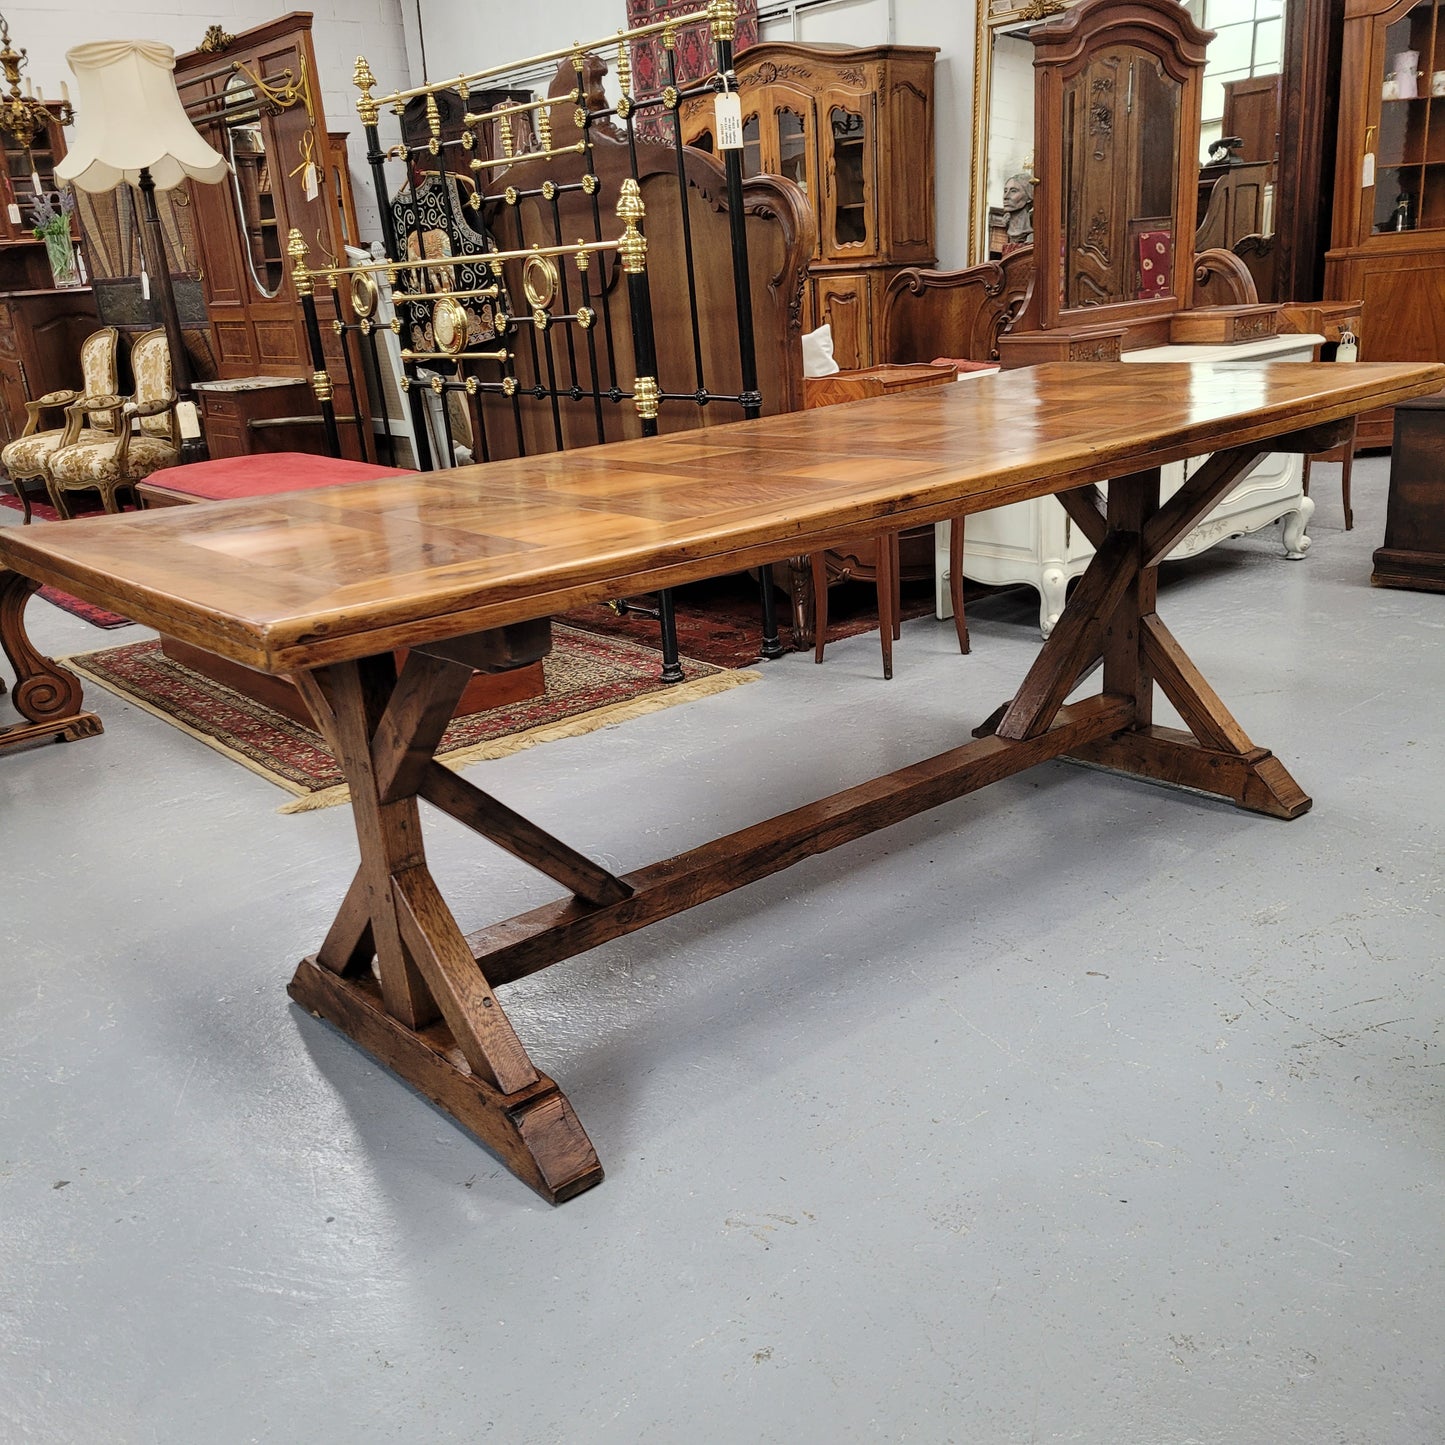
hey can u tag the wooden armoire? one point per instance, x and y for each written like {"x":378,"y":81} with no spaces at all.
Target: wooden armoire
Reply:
{"x":256,"y":97}
{"x":854,"y":128}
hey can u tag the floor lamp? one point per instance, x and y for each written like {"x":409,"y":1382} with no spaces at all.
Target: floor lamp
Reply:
{"x":130,"y":126}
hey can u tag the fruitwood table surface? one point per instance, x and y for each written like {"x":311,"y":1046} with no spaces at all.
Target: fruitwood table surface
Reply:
{"x":465,"y":566}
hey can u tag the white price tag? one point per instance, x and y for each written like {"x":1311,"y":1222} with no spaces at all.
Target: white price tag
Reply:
{"x":1348,"y":348}
{"x":188,"y":420}
{"x":145,"y":287}
{"x":729,"y":121}
{"x":310,"y":183}
{"x":1367,"y":171}
{"x":14,"y":213}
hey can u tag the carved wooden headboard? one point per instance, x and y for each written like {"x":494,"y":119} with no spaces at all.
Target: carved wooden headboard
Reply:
{"x":960,"y":314}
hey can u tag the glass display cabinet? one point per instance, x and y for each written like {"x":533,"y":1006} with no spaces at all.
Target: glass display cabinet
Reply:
{"x":854,"y":128}
{"x":1388,"y":229}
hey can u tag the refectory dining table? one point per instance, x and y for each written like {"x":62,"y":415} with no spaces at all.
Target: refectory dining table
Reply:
{"x":463,"y":568}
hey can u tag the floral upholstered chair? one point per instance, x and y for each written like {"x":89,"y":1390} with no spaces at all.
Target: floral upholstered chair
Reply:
{"x":27,"y":458}
{"x":107,"y":463}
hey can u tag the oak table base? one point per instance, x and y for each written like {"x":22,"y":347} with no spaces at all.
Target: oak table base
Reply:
{"x":397,"y":975}
{"x":45,"y":694}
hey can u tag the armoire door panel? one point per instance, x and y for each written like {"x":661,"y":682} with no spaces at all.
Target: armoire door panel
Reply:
{"x":844,"y":302}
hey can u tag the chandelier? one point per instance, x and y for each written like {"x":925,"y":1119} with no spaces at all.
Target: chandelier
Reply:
{"x":24,"y":115}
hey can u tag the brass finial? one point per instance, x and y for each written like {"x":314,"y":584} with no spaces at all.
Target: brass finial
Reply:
{"x":724,"y":19}
{"x":624,"y":78}
{"x":297,"y":250}
{"x":433,"y":123}
{"x":645,"y":394}
{"x":544,"y":129}
{"x":504,"y":127}
{"x":364,"y":80}
{"x":633,"y":245}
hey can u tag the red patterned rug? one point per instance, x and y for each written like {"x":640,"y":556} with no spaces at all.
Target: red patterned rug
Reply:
{"x":592,"y":681}
{"x":694,"y":52}
{"x":721,"y":620}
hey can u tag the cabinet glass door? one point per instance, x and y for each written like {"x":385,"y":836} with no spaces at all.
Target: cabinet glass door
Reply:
{"x":752,"y":146}
{"x":793,"y":147}
{"x":1409,"y":145}
{"x":848,"y":219}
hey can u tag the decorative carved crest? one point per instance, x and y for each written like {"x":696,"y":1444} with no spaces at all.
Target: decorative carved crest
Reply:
{"x":216,"y":39}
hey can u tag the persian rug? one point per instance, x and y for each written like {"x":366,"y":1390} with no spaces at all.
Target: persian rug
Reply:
{"x":592,"y":682}
{"x":96,"y":616}
{"x":695,"y":54}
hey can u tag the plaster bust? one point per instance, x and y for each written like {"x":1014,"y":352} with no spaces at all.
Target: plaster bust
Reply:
{"x":1018,"y":204}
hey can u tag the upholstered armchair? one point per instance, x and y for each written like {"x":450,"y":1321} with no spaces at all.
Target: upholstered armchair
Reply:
{"x":147,"y":440}
{"x":27,"y":458}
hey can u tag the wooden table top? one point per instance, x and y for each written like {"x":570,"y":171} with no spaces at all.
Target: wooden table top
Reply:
{"x":302,"y":579}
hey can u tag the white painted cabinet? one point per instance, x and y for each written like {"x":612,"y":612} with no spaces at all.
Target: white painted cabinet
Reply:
{"x":1035,"y":543}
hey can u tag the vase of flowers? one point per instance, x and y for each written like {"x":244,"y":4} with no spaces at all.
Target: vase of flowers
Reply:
{"x":51,"y":223}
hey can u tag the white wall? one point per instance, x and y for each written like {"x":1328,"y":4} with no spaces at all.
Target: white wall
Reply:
{"x":342,"y":30}
{"x":470,"y":35}
{"x":480,"y":35}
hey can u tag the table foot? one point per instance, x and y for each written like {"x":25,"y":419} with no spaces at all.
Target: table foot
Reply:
{"x":45,"y":694}
{"x":534,"y":1131}
{"x":1255,"y":780}
{"x":61,"y":730}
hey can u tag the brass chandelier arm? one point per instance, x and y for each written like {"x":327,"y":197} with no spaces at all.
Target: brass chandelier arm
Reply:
{"x":21,"y":113}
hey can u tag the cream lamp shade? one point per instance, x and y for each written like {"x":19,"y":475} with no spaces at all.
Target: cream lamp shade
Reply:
{"x":129,"y":118}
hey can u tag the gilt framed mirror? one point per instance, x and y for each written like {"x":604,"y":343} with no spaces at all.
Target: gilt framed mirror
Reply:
{"x":1003,"y":124}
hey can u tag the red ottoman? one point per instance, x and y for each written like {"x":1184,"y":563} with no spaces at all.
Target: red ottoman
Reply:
{"x":261,"y":475}
{"x":264,"y":475}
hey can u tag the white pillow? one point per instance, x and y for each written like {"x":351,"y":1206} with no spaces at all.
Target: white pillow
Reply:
{"x":818,"y":352}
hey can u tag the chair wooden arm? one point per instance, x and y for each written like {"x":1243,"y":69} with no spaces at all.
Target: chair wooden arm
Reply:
{"x":131,"y":412}
{"x":79,"y":409}
{"x":1222,"y":279}
{"x":158,"y":407}
{"x":51,"y":401}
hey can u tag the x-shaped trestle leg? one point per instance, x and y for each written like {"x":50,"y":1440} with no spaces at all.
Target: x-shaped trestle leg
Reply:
{"x":429,"y":1012}
{"x":1111,"y":618}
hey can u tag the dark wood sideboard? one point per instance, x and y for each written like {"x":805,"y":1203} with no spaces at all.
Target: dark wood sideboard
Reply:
{"x":1413,"y":555}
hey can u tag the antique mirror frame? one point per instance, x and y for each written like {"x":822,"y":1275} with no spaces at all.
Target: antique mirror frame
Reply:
{"x":995,"y":18}
{"x":1064,"y":47}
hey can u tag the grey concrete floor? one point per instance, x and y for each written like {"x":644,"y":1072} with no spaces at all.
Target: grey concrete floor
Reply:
{"x":1078,"y":1110}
